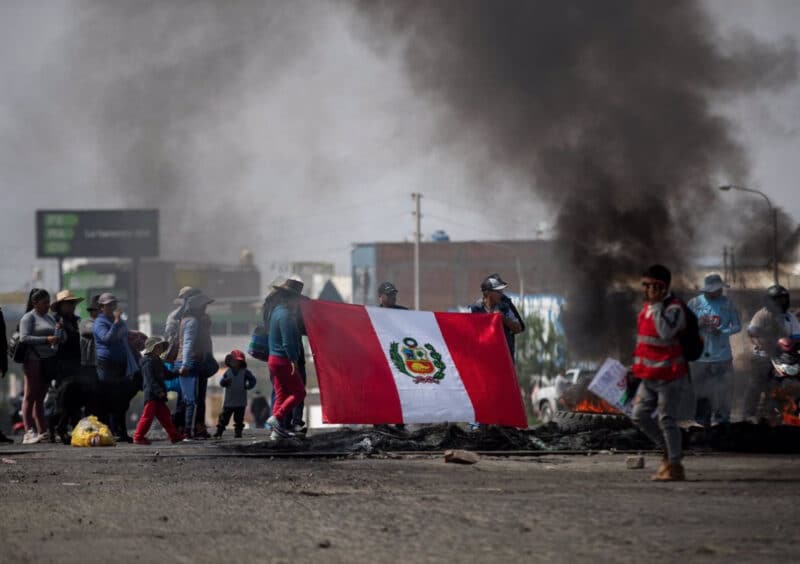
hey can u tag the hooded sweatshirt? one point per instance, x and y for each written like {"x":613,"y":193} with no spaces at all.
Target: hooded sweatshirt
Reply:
{"x":236,"y":384}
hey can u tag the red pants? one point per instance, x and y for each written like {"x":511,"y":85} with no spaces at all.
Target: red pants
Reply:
{"x":289,"y":388}
{"x":157,"y":410}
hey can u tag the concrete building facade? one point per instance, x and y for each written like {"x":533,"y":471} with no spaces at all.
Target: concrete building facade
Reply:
{"x":451,"y":272}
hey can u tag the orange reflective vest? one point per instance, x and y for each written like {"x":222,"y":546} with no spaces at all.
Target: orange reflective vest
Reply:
{"x":656,"y":358}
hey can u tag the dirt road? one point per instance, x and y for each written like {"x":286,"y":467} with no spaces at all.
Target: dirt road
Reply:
{"x":181,"y":504}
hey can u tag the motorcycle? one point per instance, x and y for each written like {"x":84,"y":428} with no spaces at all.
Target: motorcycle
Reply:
{"x":786,"y":376}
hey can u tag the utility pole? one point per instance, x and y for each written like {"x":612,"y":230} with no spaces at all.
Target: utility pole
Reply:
{"x":774,"y":244}
{"x":725,"y":275}
{"x":417,"y":197}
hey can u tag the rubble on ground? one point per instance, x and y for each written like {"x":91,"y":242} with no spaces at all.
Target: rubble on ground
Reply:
{"x":433,"y":438}
{"x":368,"y":440}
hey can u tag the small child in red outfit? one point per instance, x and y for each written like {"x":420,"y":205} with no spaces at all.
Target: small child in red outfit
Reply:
{"x":155,"y":393}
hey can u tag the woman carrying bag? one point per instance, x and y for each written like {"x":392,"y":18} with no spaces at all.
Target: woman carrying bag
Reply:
{"x":41,"y":335}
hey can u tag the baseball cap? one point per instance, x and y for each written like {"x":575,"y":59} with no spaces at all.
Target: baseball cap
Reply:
{"x":107,"y":298}
{"x":493,"y":282}
{"x":386,"y":288}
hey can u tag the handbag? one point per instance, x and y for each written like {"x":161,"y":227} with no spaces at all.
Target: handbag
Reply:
{"x":208,"y":366}
{"x":17,"y":350}
{"x":132,"y":363}
{"x":259,"y":343}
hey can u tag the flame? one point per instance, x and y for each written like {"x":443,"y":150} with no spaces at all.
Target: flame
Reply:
{"x":594,"y":405}
{"x":790,"y":414}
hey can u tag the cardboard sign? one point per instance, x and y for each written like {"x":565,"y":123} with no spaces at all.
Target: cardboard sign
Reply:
{"x":611,"y":384}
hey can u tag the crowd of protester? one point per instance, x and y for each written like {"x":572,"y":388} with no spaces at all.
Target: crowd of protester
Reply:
{"x":98,"y":365}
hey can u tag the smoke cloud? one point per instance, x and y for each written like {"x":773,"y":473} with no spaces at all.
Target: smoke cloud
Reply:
{"x":269,"y":125}
{"x":607,"y":109}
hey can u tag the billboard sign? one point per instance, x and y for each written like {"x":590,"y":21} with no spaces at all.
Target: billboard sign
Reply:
{"x":96,"y":233}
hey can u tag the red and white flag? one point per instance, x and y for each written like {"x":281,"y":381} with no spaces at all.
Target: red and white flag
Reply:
{"x":378,"y":365}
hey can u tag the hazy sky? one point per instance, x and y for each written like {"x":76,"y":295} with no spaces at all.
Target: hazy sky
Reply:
{"x":768,"y":124}
{"x":311,"y":119}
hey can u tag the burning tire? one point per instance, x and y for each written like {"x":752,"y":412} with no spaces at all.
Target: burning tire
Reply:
{"x":576,"y":422}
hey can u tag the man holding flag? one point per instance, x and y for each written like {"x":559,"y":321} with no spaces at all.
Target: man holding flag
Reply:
{"x":495,"y":301}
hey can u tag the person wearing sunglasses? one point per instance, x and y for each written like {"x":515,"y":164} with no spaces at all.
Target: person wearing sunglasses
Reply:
{"x":660,"y":365}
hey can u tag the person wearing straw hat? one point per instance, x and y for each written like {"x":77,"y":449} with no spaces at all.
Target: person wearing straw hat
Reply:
{"x":712,"y":373}
{"x":69,"y":352}
{"x":155,"y":393}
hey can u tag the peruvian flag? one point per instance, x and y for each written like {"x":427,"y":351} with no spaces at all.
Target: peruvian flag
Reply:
{"x":378,"y":365}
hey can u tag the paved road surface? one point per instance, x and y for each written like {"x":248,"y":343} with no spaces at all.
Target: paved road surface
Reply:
{"x":126,"y":504}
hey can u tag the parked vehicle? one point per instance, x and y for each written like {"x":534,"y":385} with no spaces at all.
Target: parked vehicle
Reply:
{"x":547,"y":391}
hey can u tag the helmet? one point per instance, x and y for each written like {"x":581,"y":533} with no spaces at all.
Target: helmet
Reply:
{"x":777,"y":291}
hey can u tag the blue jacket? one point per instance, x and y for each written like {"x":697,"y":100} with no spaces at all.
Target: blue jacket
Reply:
{"x":719,"y":313}
{"x":195,"y":341}
{"x":284,"y":336}
{"x":110,"y":339}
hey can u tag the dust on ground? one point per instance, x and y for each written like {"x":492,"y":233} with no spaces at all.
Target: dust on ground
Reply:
{"x":205,"y":503}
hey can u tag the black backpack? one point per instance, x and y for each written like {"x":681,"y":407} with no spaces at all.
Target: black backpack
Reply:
{"x":690,"y":339}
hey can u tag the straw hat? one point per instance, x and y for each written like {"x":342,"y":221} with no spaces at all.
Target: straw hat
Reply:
{"x":151,"y":343}
{"x":65,"y":296}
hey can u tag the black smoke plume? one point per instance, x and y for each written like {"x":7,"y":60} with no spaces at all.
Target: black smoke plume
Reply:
{"x":607,"y":107}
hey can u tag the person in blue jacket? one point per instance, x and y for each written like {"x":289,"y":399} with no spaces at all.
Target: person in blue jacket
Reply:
{"x":712,"y":373}
{"x":195,"y":364}
{"x":111,"y":349}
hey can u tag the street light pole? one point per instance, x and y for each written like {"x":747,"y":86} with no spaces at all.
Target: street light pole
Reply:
{"x":416,"y":196}
{"x":774,"y":215}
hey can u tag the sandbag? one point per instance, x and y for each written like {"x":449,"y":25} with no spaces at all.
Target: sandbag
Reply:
{"x":90,"y":432}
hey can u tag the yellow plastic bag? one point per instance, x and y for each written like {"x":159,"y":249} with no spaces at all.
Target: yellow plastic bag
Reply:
{"x":91,"y":432}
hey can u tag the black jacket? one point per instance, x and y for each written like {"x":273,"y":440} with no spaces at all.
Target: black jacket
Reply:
{"x":153,"y":375}
{"x":71,"y":348}
{"x":3,"y":346}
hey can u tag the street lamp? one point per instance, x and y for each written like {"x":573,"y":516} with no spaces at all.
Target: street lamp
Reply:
{"x":773,"y":213}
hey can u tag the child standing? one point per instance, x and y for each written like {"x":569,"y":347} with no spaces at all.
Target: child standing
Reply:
{"x":236,"y":381}
{"x":155,"y":393}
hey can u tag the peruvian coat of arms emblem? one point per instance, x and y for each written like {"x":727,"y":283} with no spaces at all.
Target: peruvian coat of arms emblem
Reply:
{"x":422,"y":363}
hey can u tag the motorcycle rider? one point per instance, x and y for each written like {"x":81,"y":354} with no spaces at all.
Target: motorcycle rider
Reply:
{"x":771,"y":323}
